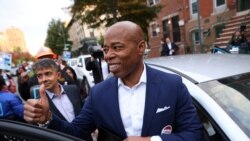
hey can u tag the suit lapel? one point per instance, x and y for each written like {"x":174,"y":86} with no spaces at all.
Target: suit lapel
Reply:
{"x":116,"y":116}
{"x":72,"y":99}
{"x":151,"y":100}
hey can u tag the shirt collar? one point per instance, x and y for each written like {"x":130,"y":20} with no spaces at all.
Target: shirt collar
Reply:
{"x":143,"y":78}
{"x":52,"y":95}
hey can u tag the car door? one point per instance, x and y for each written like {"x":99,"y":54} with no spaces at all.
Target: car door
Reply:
{"x":17,"y":131}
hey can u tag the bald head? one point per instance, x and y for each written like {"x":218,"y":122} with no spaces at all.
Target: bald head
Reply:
{"x":132,"y":30}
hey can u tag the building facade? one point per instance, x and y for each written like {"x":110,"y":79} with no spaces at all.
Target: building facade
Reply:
{"x":81,"y":34}
{"x":179,"y":20}
{"x":12,"y":39}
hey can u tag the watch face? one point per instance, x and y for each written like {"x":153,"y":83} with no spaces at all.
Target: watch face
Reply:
{"x":155,"y":138}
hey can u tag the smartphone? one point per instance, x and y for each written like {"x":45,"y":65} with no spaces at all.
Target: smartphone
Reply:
{"x":34,"y":92}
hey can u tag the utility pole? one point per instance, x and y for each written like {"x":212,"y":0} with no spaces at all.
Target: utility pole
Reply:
{"x":199,"y":27}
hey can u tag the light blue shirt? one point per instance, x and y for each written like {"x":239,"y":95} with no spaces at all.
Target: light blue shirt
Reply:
{"x":63,"y":104}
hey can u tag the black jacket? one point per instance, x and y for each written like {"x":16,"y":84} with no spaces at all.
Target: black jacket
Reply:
{"x":165,"y":49}
{"x":96,"y":68}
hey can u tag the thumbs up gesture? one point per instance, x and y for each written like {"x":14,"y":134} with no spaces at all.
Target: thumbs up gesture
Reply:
{"x":37,"y":110}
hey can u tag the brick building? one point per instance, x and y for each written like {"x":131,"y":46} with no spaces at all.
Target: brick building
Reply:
{"x":179,"y":19}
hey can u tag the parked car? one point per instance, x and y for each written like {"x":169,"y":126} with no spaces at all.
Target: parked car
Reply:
{"x":72,"y":62}
{"x":220,"y":87}
{"x":218,"y":83}
{"x":84,"y":75}
{"x":17,"y":131}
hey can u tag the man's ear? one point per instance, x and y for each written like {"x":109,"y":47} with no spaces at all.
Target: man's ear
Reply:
{"x":59,"y":74}
{"x":141,"y":47}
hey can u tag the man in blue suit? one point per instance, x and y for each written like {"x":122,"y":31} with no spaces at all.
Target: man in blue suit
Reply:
{"x":138,"y":104}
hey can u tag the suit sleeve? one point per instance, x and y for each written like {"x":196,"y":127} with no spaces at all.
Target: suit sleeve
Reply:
{"x":187,"y":126}
{"x":163,"y":50}
{"x":82,"y":126}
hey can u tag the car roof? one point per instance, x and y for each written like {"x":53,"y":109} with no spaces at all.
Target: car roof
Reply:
{"x":204,"y":67}
{"x":85,"y":55}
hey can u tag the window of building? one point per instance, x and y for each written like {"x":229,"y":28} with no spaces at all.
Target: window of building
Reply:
{"x":92,"y":34}
{"x":154,"y":29}
{"x":220,"y":2}
{"x":165,"y":26}
{"x":219,"y":6}
{"x":195,"y":37}
{"x":194,"y":7}
{"x":176,"y":29}
{"x":153,"y":2}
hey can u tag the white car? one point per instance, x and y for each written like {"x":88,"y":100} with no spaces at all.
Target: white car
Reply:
{"x":220,"y":87}
{"x":84,"y":75}
{"x":72,"y":62}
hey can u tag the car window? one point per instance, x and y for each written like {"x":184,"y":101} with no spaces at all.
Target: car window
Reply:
{"x":232,"y":94}
{"x":211,"y":131}
{"x":80,"y":62}
{"x":74,"y":62}
{"x":87,"y":59}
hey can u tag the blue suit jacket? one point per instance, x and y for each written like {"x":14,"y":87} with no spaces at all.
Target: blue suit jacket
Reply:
{"x":101,"y":110}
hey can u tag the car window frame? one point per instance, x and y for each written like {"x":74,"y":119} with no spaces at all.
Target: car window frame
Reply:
{"x":202,"y":110}
{"x":32,"y":132}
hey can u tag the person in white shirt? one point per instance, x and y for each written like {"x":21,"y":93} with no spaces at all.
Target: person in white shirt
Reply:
{"x":138,"y":103}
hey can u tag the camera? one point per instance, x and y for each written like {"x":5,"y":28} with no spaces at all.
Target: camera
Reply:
{"x":96,"y":51}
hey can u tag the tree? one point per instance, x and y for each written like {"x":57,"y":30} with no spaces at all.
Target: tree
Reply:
{"x":106,"y":12}
{"x":57,"y":36}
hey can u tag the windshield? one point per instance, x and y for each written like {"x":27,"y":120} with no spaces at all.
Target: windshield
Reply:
{"x":232,"y":94}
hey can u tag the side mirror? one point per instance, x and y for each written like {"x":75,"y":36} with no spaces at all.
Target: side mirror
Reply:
{"x":79,"y":65}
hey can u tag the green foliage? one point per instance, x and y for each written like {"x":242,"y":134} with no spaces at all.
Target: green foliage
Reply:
{"x":17,"y":49}
{"x":101,"y":40}
{"x":57,"y":36}
{"x":107,"y":12}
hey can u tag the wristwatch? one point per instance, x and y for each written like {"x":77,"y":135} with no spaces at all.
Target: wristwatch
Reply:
{"x":155,"y":138}
{"x":49,"y":119}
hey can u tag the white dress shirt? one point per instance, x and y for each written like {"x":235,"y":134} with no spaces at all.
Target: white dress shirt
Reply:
{"x":132,"y":104}
{"x":170,"y":48}
{"x":63,"y":104}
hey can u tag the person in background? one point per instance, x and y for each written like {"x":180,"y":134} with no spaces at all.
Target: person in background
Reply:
{"x":236,"y":39}
{"x":138,"y":103}
{"x":22,"y":81}
{"x":12,"y":85}
{"x":11,"y":106}
{"x":61,"y":62}
{"x":64,"y":100}
{"x":97,"y":64}
{"x":169,"y":48}
{"x":26,"y":84}
{"x":238,"y":43}
{"x":71,"y":72}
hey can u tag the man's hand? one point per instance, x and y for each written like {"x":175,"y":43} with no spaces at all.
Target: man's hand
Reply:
{"x":37,"y":110}
{"x":24,"y":77}
{"x":137,"y":138}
